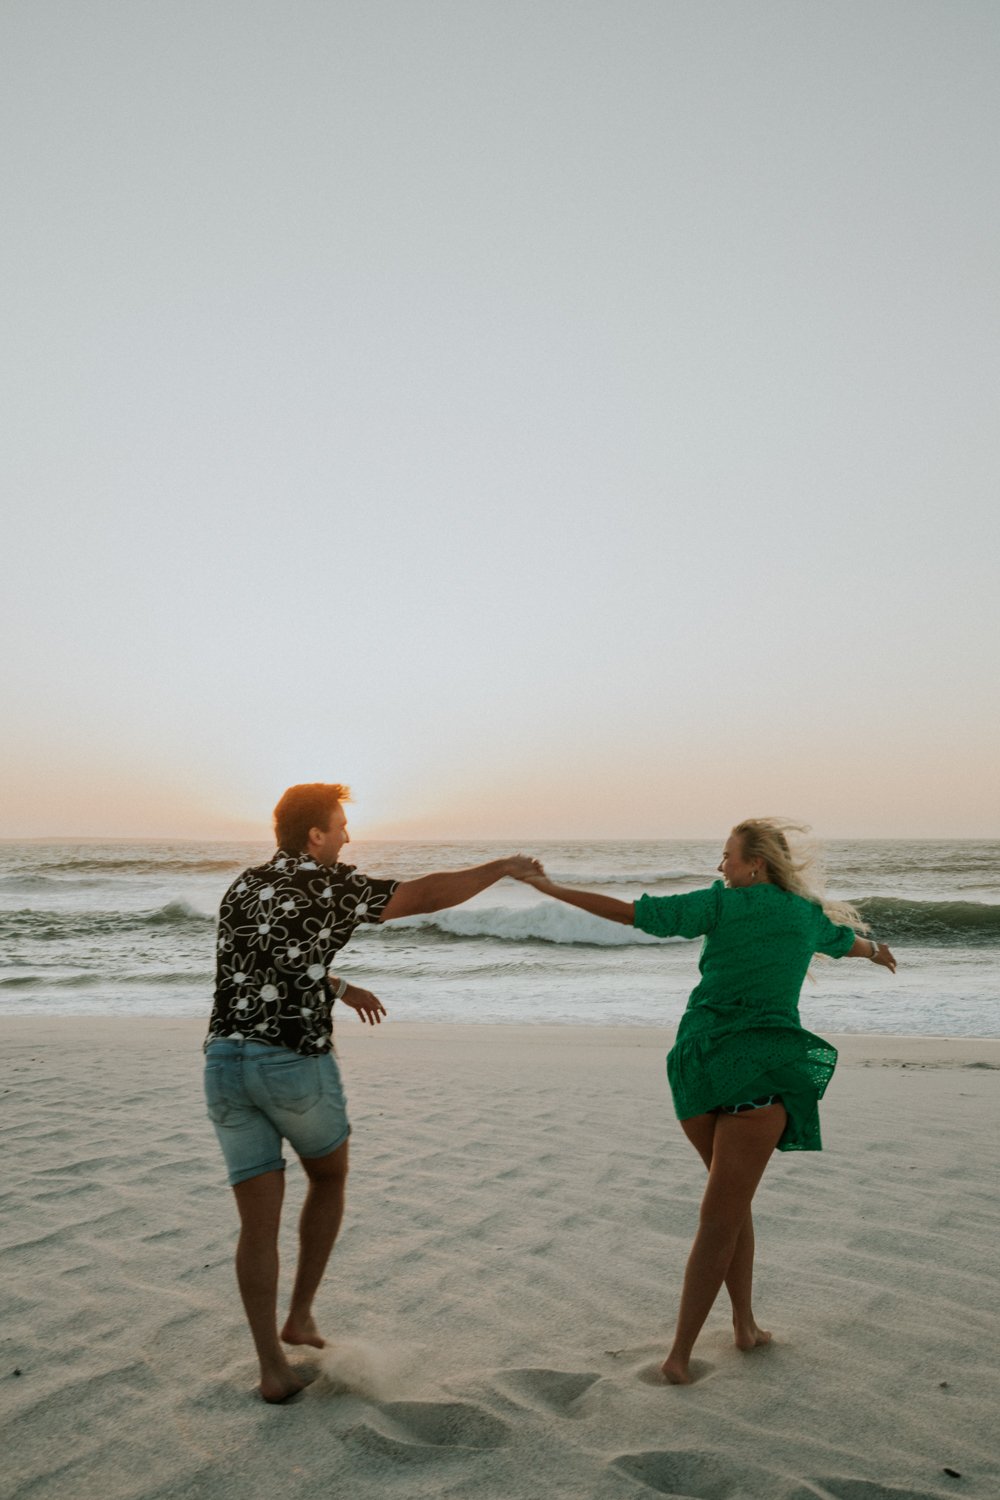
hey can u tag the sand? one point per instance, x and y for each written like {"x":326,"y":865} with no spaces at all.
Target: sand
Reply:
{"x":520,"y":1209}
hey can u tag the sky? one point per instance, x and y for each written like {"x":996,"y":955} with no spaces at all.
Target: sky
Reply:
{"x":552,"y":418}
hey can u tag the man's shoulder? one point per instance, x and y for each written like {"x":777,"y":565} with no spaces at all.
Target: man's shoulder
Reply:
{"x":301,"y":872}
{"x":254,"y":877}
{"x":285,"y":871}
{"x":332,"y":880}
{"x":308,"y":871}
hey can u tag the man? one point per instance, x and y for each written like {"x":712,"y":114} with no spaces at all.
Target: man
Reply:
{"x":270,"y":1073}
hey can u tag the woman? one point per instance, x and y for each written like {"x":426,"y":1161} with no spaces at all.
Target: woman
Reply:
{"x":745,"y":1076}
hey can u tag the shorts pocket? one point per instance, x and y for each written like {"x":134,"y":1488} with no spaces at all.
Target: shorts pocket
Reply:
{"x":217,"y":1097}
{"x":292,"y":1084}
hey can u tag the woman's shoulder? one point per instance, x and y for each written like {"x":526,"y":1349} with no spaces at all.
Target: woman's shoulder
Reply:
{"x":765,"y":901}
{"x":709,"y":893}
{"x":746,"y":896}
{"x":687,"y":914}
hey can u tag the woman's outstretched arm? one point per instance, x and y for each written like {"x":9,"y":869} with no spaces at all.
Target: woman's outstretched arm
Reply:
{"x":608,"y":907}
{"x":876,"y":953}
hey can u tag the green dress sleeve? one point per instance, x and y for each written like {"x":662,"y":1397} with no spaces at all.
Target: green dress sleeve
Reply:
{"x":690,"y":915}
{"x":830,"y":939}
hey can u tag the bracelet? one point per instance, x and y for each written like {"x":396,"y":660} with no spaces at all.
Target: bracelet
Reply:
{"x":341,"y":990}
{"x":875,"y":948}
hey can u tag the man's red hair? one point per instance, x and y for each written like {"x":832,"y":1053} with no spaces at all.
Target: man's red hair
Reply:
{"x":303,"y":807}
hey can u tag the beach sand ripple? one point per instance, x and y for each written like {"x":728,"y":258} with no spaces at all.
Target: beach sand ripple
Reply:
{"x":521,"y":1204}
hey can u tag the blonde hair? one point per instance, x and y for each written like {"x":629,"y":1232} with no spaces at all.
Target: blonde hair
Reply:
{"x":793,"y":866}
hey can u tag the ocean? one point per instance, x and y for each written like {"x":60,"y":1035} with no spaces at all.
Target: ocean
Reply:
{"x":127,"y":928}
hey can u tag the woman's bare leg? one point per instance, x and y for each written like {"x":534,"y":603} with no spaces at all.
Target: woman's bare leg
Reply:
{"x":747,"y":1333}
{"x":741,"y":1148}
{"x":700,"y":1131}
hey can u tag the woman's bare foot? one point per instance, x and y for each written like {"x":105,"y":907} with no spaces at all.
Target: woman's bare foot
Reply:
{"x":676,"y":1370}
{"x":281,"y":1384}
{"x":749,"y":1336}
{"x":302,"y":1331}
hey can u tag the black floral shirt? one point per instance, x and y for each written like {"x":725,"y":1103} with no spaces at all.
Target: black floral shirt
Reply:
{"x":280,"y":925}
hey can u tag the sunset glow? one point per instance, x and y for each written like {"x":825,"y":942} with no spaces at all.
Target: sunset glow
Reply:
{"x":549,"y":428}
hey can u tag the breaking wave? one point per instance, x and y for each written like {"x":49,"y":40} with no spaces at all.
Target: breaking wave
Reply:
{"x":546,"y":923}
{"x":893,"y":919}
{"x":64,"y":926}
{"x":647,"y":880}
{"x":932,"y":922}
{"x":146,"y":866}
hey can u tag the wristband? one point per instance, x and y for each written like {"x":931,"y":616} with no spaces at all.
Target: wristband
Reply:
{"x":875,"y":948}
{"x":341,"y":990}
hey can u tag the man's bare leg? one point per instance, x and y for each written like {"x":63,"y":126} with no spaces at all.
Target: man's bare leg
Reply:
{"x":319,"y":1223}
{"x":259,"y":1203}
{"x":741,"y":1148}
{"x":747,"y":1334}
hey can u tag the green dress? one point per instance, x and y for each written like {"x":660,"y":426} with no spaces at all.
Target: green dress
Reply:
{"x":740,"y":1037}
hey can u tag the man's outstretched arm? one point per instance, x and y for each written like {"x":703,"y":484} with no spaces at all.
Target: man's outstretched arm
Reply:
{"x":452,"y":887}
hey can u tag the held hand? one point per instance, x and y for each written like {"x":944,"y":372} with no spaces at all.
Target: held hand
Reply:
{"x":368,"y":1006}
{"x":521,"y":867}
{"x":884,"y":958}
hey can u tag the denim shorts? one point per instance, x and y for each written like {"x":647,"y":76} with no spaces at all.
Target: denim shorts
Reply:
{"x":258,"y":1095}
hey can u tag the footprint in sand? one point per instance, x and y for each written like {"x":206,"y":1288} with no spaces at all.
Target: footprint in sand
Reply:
{"x":557,"y":1391}
{"x":683,"y":1473}
{"x":650,"y":1371}
{"x":411,"y":1431}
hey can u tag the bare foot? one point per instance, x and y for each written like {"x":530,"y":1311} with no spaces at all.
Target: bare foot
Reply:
{"x":279,"y":1386}
{"x":750,"y":1336}
{"x":302,"y":1331}
{"x":676,"y":1370}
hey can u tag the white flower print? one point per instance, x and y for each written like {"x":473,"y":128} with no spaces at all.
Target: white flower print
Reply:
{"x":280,"y":925}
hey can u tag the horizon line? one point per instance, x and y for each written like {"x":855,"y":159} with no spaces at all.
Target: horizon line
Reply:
{"x":133,"y":838}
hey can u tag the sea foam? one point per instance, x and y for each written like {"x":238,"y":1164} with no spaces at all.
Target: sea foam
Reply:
{"x":548,"y":922}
